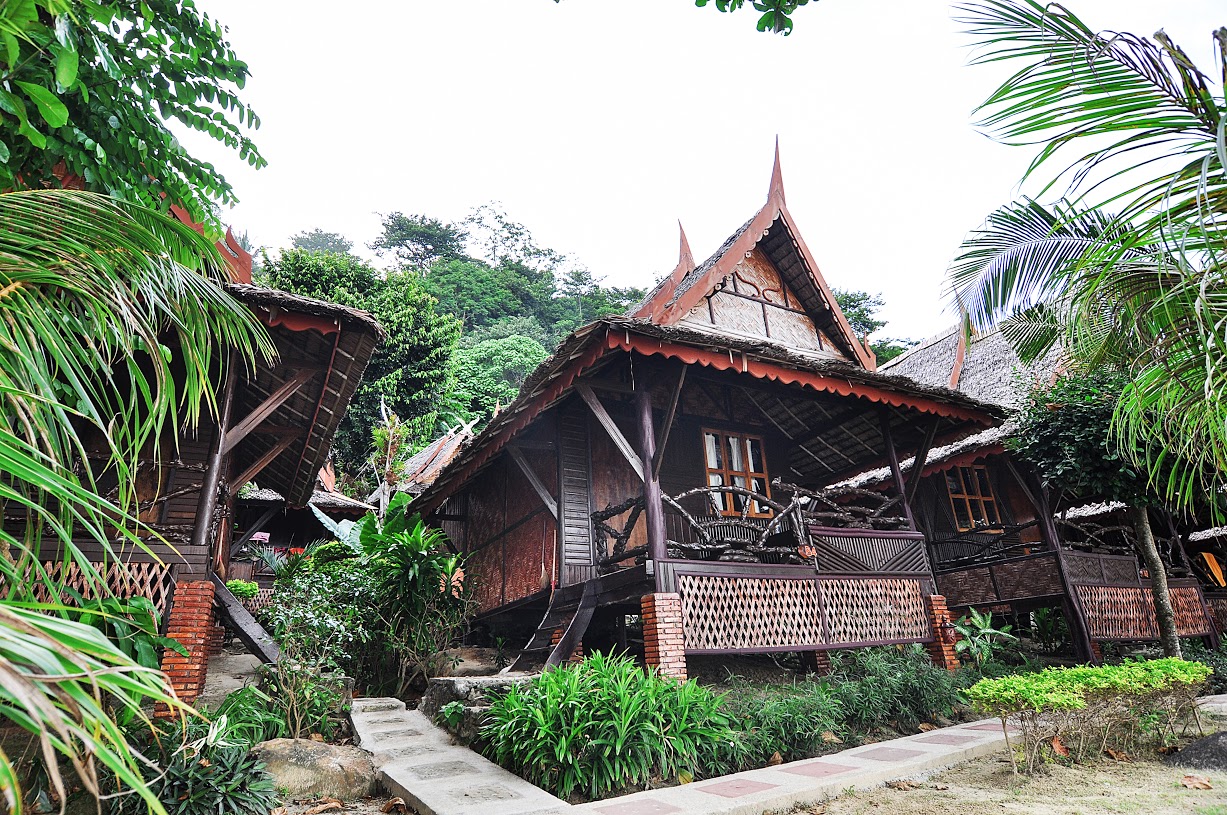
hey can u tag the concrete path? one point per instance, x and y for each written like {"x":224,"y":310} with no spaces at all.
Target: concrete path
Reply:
{"x":419,"y":762}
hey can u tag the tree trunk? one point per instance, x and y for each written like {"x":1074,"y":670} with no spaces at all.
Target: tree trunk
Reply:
{"x":1164,"y":612}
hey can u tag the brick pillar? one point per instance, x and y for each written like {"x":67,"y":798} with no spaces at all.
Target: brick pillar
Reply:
{"x":1096,"y":652}
{"x":941,"y":650}
{"x":816,"y":662}
{"x":663,"y":646}
{"x":191,"y":623}
{"x":577,"y":655}
{"x":217,"y":636}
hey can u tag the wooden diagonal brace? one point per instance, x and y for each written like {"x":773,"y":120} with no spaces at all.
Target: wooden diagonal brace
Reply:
{"x":262,"y":462}
{"x":518,"y":457}
{"x":615,"y":435}
{"x":239,"y":431}
{"x":918,"y":463}
{"x":670,"y":415}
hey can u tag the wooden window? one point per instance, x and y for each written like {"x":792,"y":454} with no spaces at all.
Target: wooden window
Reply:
{"x":971,"y":498}
{"x":736,"y":460}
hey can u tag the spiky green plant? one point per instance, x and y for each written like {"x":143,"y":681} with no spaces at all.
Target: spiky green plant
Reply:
{"x":113,"y":327}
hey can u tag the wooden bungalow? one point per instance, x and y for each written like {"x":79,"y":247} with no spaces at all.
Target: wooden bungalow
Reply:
{"x":998,"y":539}
{"x":674,"y":463}
{"x":275,"y":423}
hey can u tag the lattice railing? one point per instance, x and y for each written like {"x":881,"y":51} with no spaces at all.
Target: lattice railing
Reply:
{"x":151,"y":580}
{"x":262,"y":600}
{"x":1128,"y":612}
{"x":747,"y":608}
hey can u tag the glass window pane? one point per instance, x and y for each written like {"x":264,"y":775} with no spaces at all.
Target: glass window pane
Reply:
{"x":962,"y":513}
{"x":711,"y":442}
{"x":757,"y":463}
{"x":990,"y":512}
{"x":969,"y":482}
{"x":952,"y":483}
{"x":986,"y":491}
{"x":759,"y":485}
{"x":737,"y":457}
{"x":717,"y":498}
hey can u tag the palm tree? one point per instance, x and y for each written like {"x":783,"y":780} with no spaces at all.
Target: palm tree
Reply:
{"x":1142,"y":288}
{"x":113,"y":326}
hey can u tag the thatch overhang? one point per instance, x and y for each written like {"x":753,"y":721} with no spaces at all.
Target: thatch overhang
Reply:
{"x":336,"y":343}
{"x":815,"y":383}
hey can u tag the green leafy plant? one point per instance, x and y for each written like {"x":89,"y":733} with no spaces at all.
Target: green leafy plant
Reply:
{"x":604,"y":725}
{"x":243,"y":589}
{"x":131,"y":623}
{"x":978,"y":638}
{"x":288,"y":565}
{"x":251,"y":716}
{"x":880,"y":686}
{"x":451,"y":714}
{"x":797,"y":720}
{"x":1050,"y":629}
{"x":1088,"y":709}
{"x":207,"y":775}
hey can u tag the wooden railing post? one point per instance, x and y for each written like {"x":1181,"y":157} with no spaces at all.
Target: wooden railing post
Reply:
{"x":653,"y":506}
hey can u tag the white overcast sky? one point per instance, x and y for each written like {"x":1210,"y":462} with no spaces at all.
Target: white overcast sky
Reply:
{"x":600,"y":124}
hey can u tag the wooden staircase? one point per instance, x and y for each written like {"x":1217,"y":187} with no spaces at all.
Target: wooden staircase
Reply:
{"x":576,"y":602}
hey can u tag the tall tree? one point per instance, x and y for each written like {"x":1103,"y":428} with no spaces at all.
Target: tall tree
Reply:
{"x":1065,"y":431}
{"x":861,"y":309}
{"x":317,"y":240}
{"x":489,"y":375}
{"x":86,"y":89}
{"x":408,"y":374}
{"x":417,"y":241}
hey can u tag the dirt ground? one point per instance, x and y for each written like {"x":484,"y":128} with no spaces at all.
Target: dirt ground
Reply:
{"x":987,"y":786}
{"x":364,"y":806}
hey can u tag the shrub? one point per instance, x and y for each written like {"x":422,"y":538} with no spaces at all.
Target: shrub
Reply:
{"x":876,"y":687}
{"x":1080,"y":712}
{"x":795,"y":720}
{"x":204,"y":776}
{"x":251,"y":717}
{"x":1195,"y":649}
{"x":604,"y":725}
{"x":978,"y":638}
{"x":243,"y":589}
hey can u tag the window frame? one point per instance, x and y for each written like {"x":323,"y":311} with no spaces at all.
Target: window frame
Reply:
{"x":727,"y":506}
{"x":970,"y":499}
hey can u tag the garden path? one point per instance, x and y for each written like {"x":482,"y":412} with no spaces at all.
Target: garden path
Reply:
{"x":419,"y":762}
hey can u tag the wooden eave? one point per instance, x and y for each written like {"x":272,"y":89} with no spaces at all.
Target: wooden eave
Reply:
{"x":587,"y":348}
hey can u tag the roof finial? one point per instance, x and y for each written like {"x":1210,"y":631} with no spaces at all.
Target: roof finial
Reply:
{"x":685,"y":259}
{"x":777,"y":177}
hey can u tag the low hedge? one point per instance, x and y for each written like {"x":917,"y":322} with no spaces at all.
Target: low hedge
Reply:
{"x":1085,"y":711}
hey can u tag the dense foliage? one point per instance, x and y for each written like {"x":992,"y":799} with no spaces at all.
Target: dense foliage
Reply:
{"x":1130,"y":271}
{"x":408,"y":372}
{"x":605,"y":725}
{"x":87,"y":88}
{"x":1080,"y":712}
{"x":490,"y":373}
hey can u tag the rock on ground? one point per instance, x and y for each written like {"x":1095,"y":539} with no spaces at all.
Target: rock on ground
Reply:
{"x":306,"y":768}
{"x":1209,"y":753}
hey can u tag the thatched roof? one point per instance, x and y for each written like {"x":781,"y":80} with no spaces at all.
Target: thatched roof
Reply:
{"x":424,"y":466}
{"x":320,"y":499}
{"x":337,"y":342}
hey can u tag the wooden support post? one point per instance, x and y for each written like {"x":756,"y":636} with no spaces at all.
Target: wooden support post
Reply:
{"x":1038,"y":497}
{"x":918,"y":463}
{"x":518,"y":457}
{"x":206,"y":504}
{"x":265,"y":409}
{"x":893,"y":456}
{"x":670,"y":415}
{"x":653,"y":506}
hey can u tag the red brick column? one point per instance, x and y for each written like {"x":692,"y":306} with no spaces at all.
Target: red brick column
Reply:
{"x":816,"y":662}
{"x":191,"y":623}
{"x":217,"y":636}
{"x":663,"y":646}
{"x":1096,"y":652}
{"x":941,"y":650}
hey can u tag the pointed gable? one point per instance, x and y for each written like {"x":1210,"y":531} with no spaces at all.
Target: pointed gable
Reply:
{"x":761,"y":283}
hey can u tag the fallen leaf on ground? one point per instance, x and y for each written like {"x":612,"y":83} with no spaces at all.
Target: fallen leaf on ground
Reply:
{"x":831,"y":738}
{"x":1117,"y":755}
{"x":941,"y":787}
{"x":278,"y":811}
{"x":685,"y":777}
{"x":395,"y":805}
{"x":925,"y":727}
{"x":1168,"y":749}
{"x":317,"y":737}
{"x":903,"y":785}
{"x":327,"y":800}
{"x":775,"y":759}
{"x":1196,"y":782}
{"x":331,"y":806}
{"x":1059,"y":747}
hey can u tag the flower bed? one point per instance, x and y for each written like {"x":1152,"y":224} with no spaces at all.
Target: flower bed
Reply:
{"x":1077,"y":713}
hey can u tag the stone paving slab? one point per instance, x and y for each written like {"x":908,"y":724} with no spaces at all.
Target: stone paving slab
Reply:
{"x":419,"y":762}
